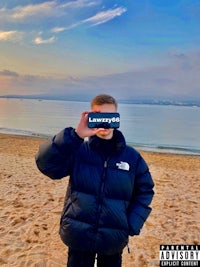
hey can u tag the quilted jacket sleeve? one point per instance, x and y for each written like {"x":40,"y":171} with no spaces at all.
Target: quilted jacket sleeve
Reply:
{"x":55,"y":157}
{"x":143,"y":193}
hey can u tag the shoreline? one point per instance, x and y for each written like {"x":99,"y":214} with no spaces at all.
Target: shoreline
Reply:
{"x":139,"y":147}
{"x":31,"y":205}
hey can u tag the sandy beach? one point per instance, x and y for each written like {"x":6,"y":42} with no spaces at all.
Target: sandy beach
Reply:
{"x":31,"y":203}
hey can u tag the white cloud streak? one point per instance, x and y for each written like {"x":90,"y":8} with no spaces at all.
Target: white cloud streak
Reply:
{"x":104,"y":16}
{"x":39,"y":40}
{"x":58,"y":29}
{"x":100,"y":18}
{"x":79,"y":4}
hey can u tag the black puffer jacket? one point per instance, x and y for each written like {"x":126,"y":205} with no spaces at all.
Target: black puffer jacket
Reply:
{"x":106,"y":200}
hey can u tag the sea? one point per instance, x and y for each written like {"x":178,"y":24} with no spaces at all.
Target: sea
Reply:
{"x":157,"y":128}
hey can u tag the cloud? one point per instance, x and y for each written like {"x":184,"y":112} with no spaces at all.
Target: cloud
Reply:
{"x":79,"y":4}
{"x":104,"y":16}
{"x":100,"y":18}
{"x":52,"y":9}
{"x":9,"y":73}
{"x":39,"y":40}
{"x":13,"y":36}
{"x":58,"y":29}
{"x":61,"y":16}
{"x":44,"y":9}
{"x":178,"y":80}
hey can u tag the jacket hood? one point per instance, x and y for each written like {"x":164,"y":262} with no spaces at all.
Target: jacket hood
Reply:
{"x":118,"y":140}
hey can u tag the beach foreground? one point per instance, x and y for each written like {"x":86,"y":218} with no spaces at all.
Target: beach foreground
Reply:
{"x":30,"y":207}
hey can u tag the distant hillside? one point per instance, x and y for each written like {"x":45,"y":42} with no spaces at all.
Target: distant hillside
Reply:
{"x":125,"y":101}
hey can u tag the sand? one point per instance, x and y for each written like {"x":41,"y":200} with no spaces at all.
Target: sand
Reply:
{"x":31,"y":203}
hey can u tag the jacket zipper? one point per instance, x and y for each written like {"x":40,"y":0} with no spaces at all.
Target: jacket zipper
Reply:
{"x":104,"y":176}
{"x":100,"y":194}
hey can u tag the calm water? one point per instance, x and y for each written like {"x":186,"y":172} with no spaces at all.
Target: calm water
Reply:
{"x":163,"y":128}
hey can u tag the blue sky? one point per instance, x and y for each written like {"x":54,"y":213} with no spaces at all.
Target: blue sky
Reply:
{"x":130,"y":48}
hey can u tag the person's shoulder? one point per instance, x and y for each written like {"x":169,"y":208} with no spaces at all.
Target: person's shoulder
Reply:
{"x":132,"y":149}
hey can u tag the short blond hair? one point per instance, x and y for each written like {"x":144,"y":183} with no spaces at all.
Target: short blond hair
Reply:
{"x":103,"y":99}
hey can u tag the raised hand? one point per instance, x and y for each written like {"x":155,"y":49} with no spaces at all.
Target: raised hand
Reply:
{"x":82,"y":128}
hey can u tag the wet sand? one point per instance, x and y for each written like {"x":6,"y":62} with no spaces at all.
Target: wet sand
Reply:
{"x":31,"y":203}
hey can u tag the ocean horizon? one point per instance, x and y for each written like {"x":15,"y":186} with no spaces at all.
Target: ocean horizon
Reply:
{"x":147,"y":127}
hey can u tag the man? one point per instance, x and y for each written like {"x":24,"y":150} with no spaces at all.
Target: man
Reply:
{"x":109,"y":192}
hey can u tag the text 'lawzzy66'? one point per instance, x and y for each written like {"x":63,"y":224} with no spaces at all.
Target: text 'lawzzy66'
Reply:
{"x":103,"y":120}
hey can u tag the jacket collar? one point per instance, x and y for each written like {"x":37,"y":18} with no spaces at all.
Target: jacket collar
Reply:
{"x":118,"y":139}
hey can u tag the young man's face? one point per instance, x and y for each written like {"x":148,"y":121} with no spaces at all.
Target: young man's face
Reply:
{"x":104,"y":133}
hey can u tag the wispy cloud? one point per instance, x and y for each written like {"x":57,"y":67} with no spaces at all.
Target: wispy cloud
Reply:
{"x":80,"y":3}
{"x":54,"y":9}
{"x":58,"y":29}
{"x":13,"y":36}
{"x":104,"y":16}
{"x":39,"y":40}
{"x":99,"y":18}
{"x":44,"y":9}
{"x":61,"y":17}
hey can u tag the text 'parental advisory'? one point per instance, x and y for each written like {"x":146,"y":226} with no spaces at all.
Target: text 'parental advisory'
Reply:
{"x":179,"y":255}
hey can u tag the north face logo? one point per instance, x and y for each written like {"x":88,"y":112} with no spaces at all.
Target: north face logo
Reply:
{"x":123,"y":166}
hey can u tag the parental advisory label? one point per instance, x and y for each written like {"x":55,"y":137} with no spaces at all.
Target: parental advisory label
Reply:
{"x":179,"y":255}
